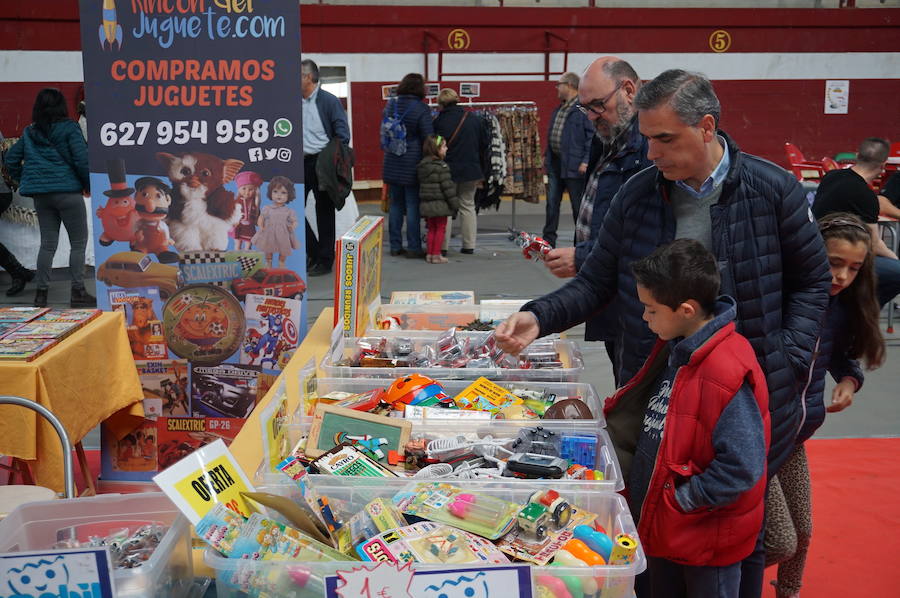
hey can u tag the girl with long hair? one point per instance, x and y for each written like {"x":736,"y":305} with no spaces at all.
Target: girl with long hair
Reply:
{"x":849,"y":333}
{"x":50,"y":162}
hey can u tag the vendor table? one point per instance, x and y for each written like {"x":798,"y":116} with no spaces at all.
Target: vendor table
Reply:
{"x":88,"y":378}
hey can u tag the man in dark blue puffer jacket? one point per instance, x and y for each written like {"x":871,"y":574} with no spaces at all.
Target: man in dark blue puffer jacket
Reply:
{"x":753,"y":216}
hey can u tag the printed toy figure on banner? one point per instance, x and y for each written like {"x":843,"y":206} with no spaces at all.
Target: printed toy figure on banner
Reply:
{"x":196,"y":163}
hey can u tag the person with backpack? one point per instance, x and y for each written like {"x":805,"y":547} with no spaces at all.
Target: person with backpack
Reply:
{"x":405,"y":124}
{"x":466,"y":137}
{"x":50,"y":162}
{"x":438,"y":195}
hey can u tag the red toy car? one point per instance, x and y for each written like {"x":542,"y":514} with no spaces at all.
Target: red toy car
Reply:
{"x":277,"y":282}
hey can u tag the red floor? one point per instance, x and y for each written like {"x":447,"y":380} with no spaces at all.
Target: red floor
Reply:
{"x":856,"y":518}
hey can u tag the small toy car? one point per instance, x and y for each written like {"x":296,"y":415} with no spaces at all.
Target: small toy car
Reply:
{"x":559,"y":508}
{"x":534,"y":519}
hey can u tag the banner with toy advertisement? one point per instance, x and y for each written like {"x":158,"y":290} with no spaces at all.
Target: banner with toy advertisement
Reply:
{"x":196,"y":161}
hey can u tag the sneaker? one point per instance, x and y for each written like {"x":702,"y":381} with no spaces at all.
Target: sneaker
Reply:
{"x":467,"y":250}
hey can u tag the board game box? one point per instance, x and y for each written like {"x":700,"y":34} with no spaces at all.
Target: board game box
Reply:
{"x":24,"y":349}
{"x":167,"y":381}
{"x":224,"y":390}
{"x":357,"y":279}
{"x":20,"y":314}
{"x":143,"y":310}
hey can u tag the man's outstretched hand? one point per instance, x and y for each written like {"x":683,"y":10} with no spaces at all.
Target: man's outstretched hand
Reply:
{"x":517,"y":332}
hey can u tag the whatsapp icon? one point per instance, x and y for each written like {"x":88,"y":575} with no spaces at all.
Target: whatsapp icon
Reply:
{"x":283,"y":127}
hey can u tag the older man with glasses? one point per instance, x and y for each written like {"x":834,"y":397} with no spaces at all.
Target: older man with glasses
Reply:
{"x":568,"y":151}
{"x":607,"y":88}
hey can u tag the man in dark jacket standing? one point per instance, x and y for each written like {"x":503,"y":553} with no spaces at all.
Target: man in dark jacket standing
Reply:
{"x":567,"y":155}
{"x":466,"y":140}
{"x":750,"y":213}
{"x":324,"y":117}
{"x":621,"y":155}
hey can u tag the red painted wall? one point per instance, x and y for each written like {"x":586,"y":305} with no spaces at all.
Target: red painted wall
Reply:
{"x":760,"y":115}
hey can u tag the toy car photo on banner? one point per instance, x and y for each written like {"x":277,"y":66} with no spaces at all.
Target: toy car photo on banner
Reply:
{"x":196,"y":163}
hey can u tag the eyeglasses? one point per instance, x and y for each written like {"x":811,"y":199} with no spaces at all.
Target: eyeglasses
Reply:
{"x":598,"y":107}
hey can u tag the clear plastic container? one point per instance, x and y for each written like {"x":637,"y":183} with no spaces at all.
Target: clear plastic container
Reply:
{"x":347,"y":496}
{"x":605,"y":459}
{"x":562,"y":390}
{"x":169,"y":571}
{"x":441,"y":317}
{"x":569,"y":355}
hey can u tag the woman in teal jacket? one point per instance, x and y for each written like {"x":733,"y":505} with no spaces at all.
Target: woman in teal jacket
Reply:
{"x":50,"y":162}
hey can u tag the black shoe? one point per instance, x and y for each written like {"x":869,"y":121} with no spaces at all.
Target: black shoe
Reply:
{"x":444,"y":252}
{"x":81,"y":298}
{"x":319,"y":270}
{"x":19,"y":279}
{"x":467,"y":250}
{"x":40,"y":298}
{"x":398,"y":252}
{"x":415,"y":255}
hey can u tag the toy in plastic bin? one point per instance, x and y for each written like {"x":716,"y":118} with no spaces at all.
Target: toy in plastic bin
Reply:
{"x":533,"y":247}
{"x":478,"y":513}
{"x":417,"y":389}
{"x":429,"y":542}
{"x":544,"y":508}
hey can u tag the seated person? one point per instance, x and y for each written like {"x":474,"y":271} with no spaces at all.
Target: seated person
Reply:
{"x":848,"y":190}
{"x":889,"y":200}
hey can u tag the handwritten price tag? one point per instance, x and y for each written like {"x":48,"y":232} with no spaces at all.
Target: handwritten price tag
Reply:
{"x":389,"y":580}
{"x":384,"y":580}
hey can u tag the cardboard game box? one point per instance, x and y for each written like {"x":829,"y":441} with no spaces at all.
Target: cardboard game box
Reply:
{"x":357,"y":278}
{"x":143,"y":320}
{"x":224,"y":390}
{"x":167,"y":381}
{"x":181,"y":436}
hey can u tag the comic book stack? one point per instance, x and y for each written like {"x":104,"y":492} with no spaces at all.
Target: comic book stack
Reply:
{"x":27,"y":332}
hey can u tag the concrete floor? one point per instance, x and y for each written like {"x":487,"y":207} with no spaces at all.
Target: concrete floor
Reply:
{"x":498,"y":270}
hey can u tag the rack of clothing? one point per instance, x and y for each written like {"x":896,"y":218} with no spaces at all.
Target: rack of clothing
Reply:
{"x":513,"y":164}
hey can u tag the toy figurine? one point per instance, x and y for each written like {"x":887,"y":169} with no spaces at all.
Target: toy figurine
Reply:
{"x":152,"y":199}
{"x":118,"y":217}
{"x":248,"y":184}
{"x":533,"y":248}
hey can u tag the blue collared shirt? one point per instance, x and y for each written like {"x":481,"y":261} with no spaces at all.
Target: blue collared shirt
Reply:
{"x":713,"y":180}
{"x":314,"y":137}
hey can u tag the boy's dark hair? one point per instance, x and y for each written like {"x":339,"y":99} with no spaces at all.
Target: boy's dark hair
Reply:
{"x":682,"y":270}
{"x":282,"y":181}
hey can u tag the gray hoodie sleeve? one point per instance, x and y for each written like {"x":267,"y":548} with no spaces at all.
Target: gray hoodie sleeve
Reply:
{"x":740,"y":459}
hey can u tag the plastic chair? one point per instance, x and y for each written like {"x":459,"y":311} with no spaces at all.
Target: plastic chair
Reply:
{"x":829,"y":164}
{"x":802,"y":168}
{"x":895,"y":150}
{"x":845,"y":157}
{"x":63,"y":438}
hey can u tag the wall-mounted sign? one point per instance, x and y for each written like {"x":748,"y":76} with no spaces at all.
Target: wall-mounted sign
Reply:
{"x":719,"y":41}
{"x":388,"y":91}
{"x":458,"y":39}
{"x":469,"y":90}
{"x":432,"y":90}
{"x":837,"y":96}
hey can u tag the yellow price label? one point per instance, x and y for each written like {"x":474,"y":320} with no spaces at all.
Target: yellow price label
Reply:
{"x":719,"y":41}
{"x":217,"y":481}
{"x":458,"y":39}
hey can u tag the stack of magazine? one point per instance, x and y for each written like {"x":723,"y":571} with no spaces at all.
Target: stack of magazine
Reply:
{"x":26,"y":332}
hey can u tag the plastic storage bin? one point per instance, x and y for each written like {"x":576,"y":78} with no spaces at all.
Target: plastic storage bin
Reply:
{"x":605,"y":455}
{"x":169,"y":571}
{"x":453,"y":387}
{"x":569,"y":353}
{"x":615,"y":581}
{"x":441,"y":317}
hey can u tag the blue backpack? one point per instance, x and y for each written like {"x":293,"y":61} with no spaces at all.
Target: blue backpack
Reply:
{"x":393,"y":131}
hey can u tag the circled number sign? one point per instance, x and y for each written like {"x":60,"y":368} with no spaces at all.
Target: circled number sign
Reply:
{"x":458,"y":39}
{"x":719,"y":40}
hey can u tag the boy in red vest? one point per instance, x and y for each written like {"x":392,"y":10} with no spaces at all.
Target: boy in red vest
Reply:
{"x":692,"y":430}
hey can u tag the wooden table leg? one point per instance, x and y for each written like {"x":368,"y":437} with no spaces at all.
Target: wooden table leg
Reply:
{"x":89,"y":488}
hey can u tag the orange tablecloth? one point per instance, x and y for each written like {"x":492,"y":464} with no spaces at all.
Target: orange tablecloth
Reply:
{"x":88,"y":378}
